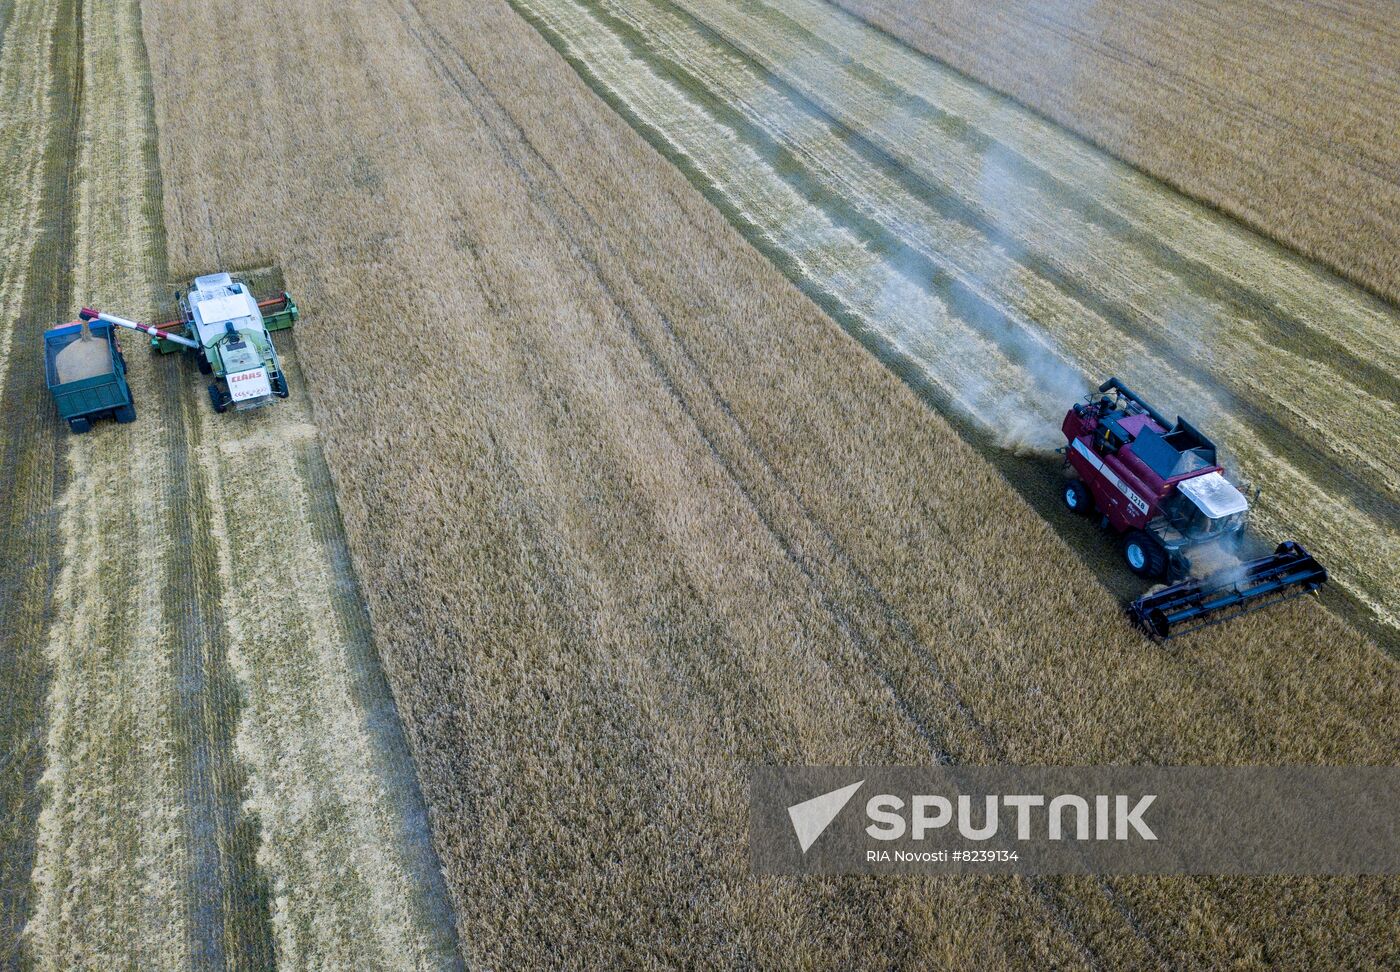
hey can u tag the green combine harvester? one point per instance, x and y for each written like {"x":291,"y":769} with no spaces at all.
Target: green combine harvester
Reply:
{"x":229,"y":331}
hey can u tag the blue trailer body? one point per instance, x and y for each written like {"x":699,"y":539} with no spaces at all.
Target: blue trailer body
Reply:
{"x":100,"y":396}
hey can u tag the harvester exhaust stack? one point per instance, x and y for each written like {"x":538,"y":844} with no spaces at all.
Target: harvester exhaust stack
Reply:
{"x":1291,"y":571}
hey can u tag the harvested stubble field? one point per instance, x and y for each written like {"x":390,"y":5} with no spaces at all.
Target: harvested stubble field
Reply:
{"x":202,"y":767}
{"x":631,"y":513}
{"x":1280,"y":113}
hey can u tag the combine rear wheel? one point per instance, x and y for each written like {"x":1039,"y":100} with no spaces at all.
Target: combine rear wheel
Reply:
{"x":1144,"y":555}
{"x":216,"y":398}
{"x":1077,"y":498}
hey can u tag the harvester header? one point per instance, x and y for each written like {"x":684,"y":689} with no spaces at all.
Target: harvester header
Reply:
{"x":1254,"y":584}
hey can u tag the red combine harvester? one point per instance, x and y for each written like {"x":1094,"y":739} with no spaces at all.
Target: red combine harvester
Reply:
{"x":1157,"y":484}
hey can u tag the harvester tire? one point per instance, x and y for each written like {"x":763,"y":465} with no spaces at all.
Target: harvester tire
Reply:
{"x":216,"y":398}
{"x":1144,"y":555}
{"x":203,"y":363}
{"x":1077,"y":498}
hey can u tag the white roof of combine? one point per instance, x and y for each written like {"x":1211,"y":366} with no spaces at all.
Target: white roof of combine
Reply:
{"x":1215,"y":495}
{"x":215,"y":300}
{"x":229,"y":307}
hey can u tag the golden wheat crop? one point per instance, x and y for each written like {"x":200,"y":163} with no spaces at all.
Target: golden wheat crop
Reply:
{"x":1282,"y":115}
{"x":201,"y":764}
{"x":632,"y":514}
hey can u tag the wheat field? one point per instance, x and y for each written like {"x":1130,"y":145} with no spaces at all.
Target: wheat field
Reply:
{"x":34,"y":115}
{"x":202,"y":767}
{"x":631,"y":513}
{"x":590,"y":494}
{"x":1281,"y":114}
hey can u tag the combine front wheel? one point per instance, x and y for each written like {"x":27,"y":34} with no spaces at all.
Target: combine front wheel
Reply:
{"x":1077,"y":498}
{"x":1144,"y":555}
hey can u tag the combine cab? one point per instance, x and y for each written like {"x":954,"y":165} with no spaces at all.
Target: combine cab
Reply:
{"x":1157,"y":484}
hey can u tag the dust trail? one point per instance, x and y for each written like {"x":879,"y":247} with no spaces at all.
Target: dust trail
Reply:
{"x":1056,"y":383}
{"x":889,"y":291}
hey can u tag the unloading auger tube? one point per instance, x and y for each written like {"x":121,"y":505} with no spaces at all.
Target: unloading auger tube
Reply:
{"x":88,"y":314}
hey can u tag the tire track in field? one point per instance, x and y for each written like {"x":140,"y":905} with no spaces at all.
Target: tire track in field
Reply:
{"x":7,"y":13}
{"x":227,"y":896}
{"x":303,"y":821}
{"x":395,"y":766}
{"x":31,"y":477}
{"x":340,"y":844}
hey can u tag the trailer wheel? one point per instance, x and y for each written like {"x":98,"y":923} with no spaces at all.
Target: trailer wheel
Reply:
{"x":79,"y":425}
{"x":216,"y":398}
{"x":1143,"y":554}
{"x":1077,"y":498}
{"x":127,"y":413}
